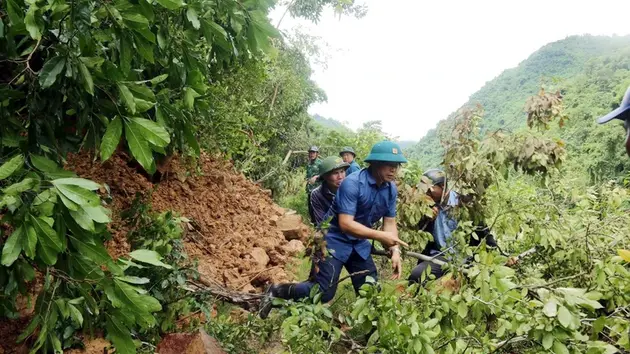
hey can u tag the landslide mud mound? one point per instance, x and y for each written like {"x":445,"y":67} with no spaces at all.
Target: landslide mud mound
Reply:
{"x":240,"y":237}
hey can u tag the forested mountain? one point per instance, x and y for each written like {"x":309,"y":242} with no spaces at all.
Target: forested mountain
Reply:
{"x":592,"y":73}
{"x":331,"y":123}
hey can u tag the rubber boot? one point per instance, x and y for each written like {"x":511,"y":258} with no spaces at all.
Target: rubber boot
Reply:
{"x":282,"y":291}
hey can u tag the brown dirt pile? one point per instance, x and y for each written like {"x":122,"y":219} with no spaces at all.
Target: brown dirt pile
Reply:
{"x":236,"y":231}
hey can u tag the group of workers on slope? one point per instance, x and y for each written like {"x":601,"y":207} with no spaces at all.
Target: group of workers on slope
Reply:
{"x":356,"y":199}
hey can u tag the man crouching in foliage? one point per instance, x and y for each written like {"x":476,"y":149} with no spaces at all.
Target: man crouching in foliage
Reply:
{"x":362,"y":200}
{"x":332,"y":172}
{"x":441,"y":227}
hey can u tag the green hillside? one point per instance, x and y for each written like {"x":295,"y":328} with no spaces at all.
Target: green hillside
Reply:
{"x":330,"y":123}
{"x":591,"y":71}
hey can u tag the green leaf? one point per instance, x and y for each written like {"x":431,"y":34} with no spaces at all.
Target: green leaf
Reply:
{"x":98,"y":214}
{"x":560,"y":348}
{"x":547,"y":341}
{"x":134,"y":280}
{"x":68,"y":203}
{"x":22,"y":186}
{"x":12,"y":247}
{"x":462,"y":309}
{"x":50,"y":71}
{"x":139,"y":147}
{"x":125,"y":53}
{"x":135,"y":18}
{"x":624,"y":254}
{"x":564,"y":317}
{"x":30,"y":329}
{"x":171,"y":4}
{"x":152,"y":132}
{"x":76,"y":315}
{"x":189,"y":97}
{"x":149,"y":257}
{"x":79,"y":182}
{"x":111,"y":138}
{"x":8,"y":168}
{"x":49,"y":243}
{"x":78,"y":195}
{"x":598,"y":325}
{"x":156,"y":80}
{"x":192,"y":16}
{"x":218,"y":34}
{"x":145,"y":48}
{"x":92,"y":62}
{"x":88,"y":83}
{"x":551,"y":308}
{"x":83,"y":219}
{"x":30,"y":242}
{"x":14,"y":10}
{"x":44,"y":164}
{"x":143,"y":106}
{"x":32,"y":26}
{"x":190,"y":139}
{"x":127,"y":98}
{"x":120,"y":336}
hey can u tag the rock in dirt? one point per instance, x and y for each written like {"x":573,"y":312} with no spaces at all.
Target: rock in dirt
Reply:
{"x":292,"y":227}
{"x":189,"y":343}
{"x":93,"y":346}
{"x":260,"y":256}
{"x":294,"y":247}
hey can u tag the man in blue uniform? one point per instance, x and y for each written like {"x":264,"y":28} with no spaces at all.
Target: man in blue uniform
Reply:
{"x":332,"y":172}
{"x":622,"y":113}
{"x":363,"y":199}
{"x":348,"y":155}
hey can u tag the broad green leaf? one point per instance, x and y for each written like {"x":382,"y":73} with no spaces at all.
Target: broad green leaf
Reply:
{"x":120,"y":336}
{"x":50,"y":71}
{"x":15,"y":12}
{"x":598,"y":325}
{"x":30,"y":329}
{"x":49,"y":244}
{"x":560,"y":348}
{"x":62,"y":305}
{"x":126,"y":52}
{"x":135,"y":18}
{"x":79,"y":182}
{"x":171,"y":4}
{"x":88,"y":83}
{"x":12,"y":247}
{"x":149,"y":257}
{"x":78,"y":195}
{"x":68,"y":203}
{"x":143,"y":106}
{"x":44,"y":196}
{"x":92,"y":62}
{"x":142,"y":91}
{"x":462,"y":309}
{"x":83,"y":219}
{"x":156,"y":80}
{"x":127,"y":98}
{"x":133,"y":297}
{"x":111,"y":138}
{"x":191,"y":140}
{"x":192,"y":16}
{"x":145,"y":48}
{"x":551,"y":308}
{"x":152,"y":132}
{"x":134,"y":280}
{"x":76,"y":315}
{"x":564,"y":317}
{"x":1,"y":29}
{"x":98,"y":214}
{"x":139,"y":147}
{"x":30,"y":21}
{"x":625,"y":254}
{"x":44,"y":164}
{"x":189,"y":97}
{"x":547,"y":341}
{"x":8,"y":168}
{"x":20,"y":187}
{"x":30,"y":241}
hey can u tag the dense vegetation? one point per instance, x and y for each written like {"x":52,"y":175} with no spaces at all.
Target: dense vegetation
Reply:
{"x":150,"y":78}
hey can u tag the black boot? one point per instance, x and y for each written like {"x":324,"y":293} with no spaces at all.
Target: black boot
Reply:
{"x":282,"y":291}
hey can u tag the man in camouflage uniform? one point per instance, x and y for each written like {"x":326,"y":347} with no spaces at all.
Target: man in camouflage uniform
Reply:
{"x":312,"y":176}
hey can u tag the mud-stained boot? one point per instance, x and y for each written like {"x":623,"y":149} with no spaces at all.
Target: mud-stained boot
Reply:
{"x":282,"y":291}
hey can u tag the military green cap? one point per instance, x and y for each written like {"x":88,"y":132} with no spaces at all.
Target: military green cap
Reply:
{"x":330,"y":164}
{"x":347,"y":149}
{"x":386,"y":151}
{"x":437,"y":176}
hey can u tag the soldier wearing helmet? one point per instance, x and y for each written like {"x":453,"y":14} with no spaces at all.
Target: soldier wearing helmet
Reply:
{"x":623,"y":113}
{"x":312,"y":175}
{"x":364,"y":198}
{"x":332,"y":172}
{"x":348,"y":155}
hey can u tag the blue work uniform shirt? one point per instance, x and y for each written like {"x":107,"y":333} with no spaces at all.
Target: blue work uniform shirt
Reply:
{"x":359,"y":196}
{"x":354,"y":167}
{"x":445,"y":224}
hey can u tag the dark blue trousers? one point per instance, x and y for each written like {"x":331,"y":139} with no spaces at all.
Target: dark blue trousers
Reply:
{"x":328,"y":276}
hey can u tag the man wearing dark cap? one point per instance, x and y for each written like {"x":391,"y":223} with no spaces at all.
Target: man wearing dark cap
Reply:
{"x":622,"y":113}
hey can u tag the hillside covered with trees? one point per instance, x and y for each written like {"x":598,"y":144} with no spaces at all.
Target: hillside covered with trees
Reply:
{"x":591,"y":72}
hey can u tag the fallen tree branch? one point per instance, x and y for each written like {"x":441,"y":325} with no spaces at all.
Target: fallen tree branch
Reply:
{"x":247,"y":301}
{"x":353,"y":274}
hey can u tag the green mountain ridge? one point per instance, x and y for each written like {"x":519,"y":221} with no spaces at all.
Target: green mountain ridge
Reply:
{"x":591,"y":71}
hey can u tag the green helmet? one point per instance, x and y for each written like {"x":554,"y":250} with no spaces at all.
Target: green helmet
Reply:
{"x":347,"y":149}
{"x":386,"y":151}
{"x":330,"y":164}
{"x":437,"y":176}
{"x":313,"y":149}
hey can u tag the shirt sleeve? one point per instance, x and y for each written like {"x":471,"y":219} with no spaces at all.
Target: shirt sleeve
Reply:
{"x":391,"y":210}
{"x":347,"y":197}
{"x":318,"y":209}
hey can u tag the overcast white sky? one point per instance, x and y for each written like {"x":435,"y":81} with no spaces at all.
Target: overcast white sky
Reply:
{"x":410,"y":63}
